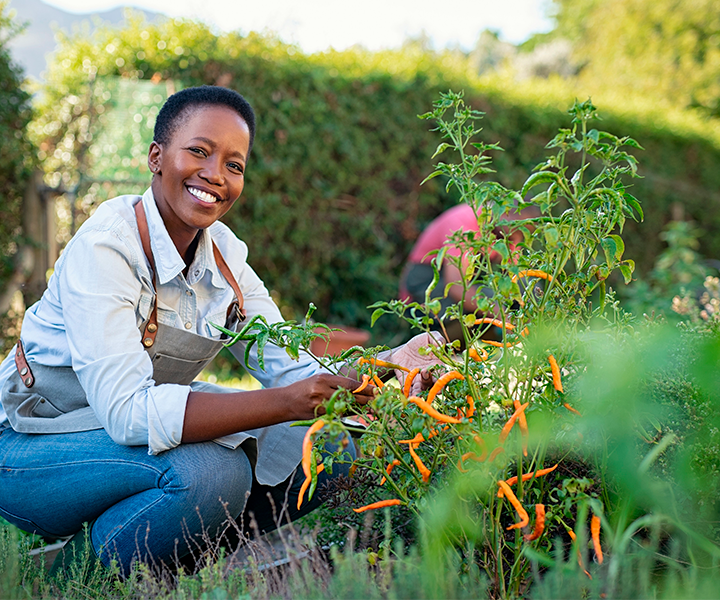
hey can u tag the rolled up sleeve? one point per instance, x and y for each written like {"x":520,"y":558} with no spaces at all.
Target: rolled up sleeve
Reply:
{"x":99,"y":284}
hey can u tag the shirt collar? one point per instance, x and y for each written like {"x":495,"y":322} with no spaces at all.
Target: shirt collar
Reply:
{"x":168,"y":262}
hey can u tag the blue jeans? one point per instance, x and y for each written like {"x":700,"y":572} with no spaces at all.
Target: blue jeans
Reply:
{"x":154,"y":509}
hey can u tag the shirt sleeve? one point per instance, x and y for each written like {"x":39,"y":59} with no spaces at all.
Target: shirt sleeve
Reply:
{"x":280,"y":369}
{"x":99,"y":282}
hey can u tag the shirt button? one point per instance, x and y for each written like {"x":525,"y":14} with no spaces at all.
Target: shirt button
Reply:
{"x":197,"y":273}
{"x":188,"y":293}
{"x":188,"y":325}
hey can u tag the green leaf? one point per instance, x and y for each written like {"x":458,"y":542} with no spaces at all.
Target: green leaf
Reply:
{"x":620,"y":246}
{"x":376,"y":315}
{"x":633,"y":203}
{"x":537,"y":179}
{"x":627,"y":270}
{"x":610,"y":249}
{"x":552,"y":236}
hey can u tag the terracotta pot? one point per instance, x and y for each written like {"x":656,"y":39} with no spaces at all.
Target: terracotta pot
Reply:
{"x":341,"y":340}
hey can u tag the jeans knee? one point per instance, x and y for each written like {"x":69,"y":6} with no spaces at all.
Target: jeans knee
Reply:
{"x":211,"y":476}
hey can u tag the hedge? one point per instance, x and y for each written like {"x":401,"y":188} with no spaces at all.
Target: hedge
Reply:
{"x":333,"y":200}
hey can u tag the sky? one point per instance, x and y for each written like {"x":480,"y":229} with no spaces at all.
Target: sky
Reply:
{"x":317,"y":25}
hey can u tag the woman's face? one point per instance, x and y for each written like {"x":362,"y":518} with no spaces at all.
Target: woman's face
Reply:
{"x":200,"y":173}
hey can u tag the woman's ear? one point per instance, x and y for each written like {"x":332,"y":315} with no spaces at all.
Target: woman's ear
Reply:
{"x":155,"y":158}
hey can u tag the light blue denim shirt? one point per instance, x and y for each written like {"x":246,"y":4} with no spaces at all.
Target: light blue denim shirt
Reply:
{"x":101,"y":291}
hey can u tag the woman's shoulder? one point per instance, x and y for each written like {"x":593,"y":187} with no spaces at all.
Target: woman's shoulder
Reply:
{"x":230,"y":245}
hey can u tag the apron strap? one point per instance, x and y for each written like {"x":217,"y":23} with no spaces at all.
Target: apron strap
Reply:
{"x":151,"y":327}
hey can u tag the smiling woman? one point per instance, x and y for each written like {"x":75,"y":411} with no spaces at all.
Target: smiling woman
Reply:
{"x":102,"y":421}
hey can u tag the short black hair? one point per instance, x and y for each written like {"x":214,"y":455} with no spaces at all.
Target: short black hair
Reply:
{"x":179,"y":105}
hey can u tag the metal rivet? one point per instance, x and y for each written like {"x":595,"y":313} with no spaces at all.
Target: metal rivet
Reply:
{"x":28,"y":382}
{"x":24,"y":371}
{"x":42,"y":400}
{"x":148,"y":342}
{"x":188,"y":325}
{"x":152,"y":328}
{"x":188,"y":293}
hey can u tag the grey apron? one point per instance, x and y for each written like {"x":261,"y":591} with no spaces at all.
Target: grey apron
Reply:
{"x":42,"y":399}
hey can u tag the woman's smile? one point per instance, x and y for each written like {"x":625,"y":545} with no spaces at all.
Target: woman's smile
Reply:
{"x":200,"y":172}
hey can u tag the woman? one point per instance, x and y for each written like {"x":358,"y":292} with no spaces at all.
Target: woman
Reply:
{"x":102,"y":422}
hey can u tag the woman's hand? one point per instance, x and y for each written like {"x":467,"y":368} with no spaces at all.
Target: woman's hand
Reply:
{"x":408,"y":356}
{"x":307,"y":395}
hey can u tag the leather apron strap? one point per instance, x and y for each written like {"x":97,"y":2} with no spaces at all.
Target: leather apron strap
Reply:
{"x":151,"y":327}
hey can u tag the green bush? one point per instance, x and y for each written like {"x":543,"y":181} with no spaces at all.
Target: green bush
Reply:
{"x":333,"y":202}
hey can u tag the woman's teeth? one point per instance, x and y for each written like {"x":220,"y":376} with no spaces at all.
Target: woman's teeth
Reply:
{"x":204,"y":196}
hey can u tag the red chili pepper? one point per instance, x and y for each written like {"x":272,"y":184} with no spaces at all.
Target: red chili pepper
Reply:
{"x":539,"y":524}
{"x":380,"y":504}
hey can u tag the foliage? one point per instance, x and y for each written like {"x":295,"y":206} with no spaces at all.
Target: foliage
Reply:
{"x":16,"y":153}
{"x":450,"y":454}
{"x":667,"y":49}
{"x":333,"y":203}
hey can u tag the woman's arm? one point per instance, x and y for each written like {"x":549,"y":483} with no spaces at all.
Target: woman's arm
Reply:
{"x":209,"y":416}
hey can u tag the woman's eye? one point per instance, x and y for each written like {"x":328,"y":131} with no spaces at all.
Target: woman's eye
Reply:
{"x":235,"y":167}
{"x":198,"y":151}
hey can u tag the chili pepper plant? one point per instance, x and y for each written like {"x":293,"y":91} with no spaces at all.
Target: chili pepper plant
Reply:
{"x":488,"y":414}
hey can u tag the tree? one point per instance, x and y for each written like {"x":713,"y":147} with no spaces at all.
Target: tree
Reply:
{"x":668,"y":49}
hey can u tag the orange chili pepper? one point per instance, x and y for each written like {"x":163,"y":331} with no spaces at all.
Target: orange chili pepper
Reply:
{"x":496,"y":322}
{"x":539,"y":524}
{"x":573,"y":537}
{"x":307,"y":445}
{"x":522,"y":513}
{"x":426,"y":408}
{"x":424,"y":471}
{"x":571,"y":409}
{"x":471,"y":407}
{"x":494,"y":453}
{"x":481,"y":442}
{"x":532,"y":273}
{"x":557,"y":382}
{"x":389,"y":469}
{"x":441,"y":383}
{"x":408,"y":381}
{"x":469,"y":456}
{"x":522,"y":421}
{"x":380,"y":504}
{"x":382,"y":363}
{"x":527,"y":476}
{"x":416,"y":440}
{"x":500,"y":344}
{"x":306,"y":484}
{"x":595,"y":535}
{"x":472,"y":353}
{"x":511,"y":421}
{"x":377,"y":381}
{"x":363,"y":385}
